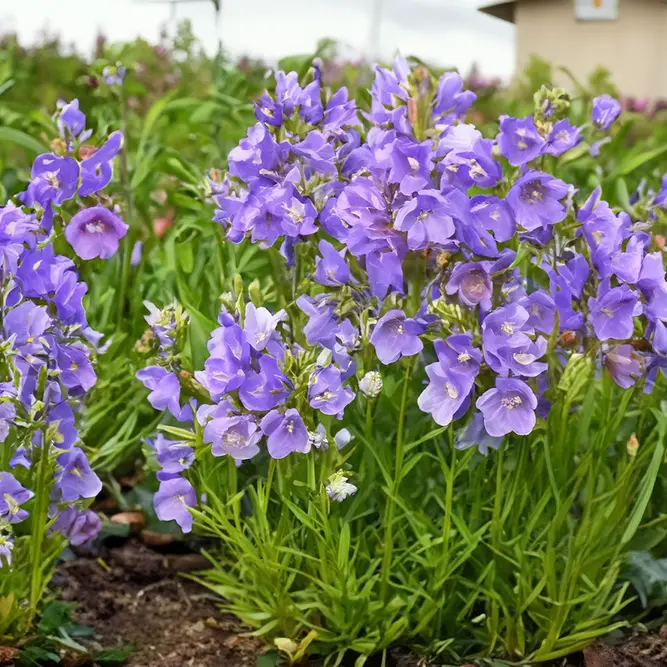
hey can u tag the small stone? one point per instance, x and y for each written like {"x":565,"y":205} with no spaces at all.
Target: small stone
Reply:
{"x":155,"y":538}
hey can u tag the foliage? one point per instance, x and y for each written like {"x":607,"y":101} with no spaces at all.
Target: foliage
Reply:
{"x":514,"y":553}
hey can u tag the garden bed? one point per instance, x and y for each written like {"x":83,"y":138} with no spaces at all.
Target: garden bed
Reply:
{"x":133,"y":595}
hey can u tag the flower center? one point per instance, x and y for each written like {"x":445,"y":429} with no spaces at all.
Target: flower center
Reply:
{"x":414,"y":165}
{"x":452,"y":391}
{"x":511,"y":402}
{"x":290,"y":427}
{"x":533,"y":192}
{"x":463,"y":357}
{"x":524,"y":359}
{"x":507,"y":328}
{"x":476,"y":168}
{"x":52,"y":178}
{"x":96,"y":227}
{"x":12,"y":505}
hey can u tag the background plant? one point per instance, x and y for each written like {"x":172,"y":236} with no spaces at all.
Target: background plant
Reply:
{"x":46,"y":481}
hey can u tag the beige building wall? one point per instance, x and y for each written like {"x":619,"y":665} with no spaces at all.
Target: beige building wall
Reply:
{"x":633,"y":48}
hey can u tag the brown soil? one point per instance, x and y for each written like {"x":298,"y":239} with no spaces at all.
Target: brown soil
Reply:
{"x":133,"y":596}
{"x":640,"y":650}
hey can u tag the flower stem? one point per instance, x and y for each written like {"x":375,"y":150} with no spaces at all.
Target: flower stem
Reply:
{"x":398,"y":473}
{"x":129,"y":212}
{"x":39,"y":521}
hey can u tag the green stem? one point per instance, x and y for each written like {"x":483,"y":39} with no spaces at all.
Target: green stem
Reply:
{"x":398,"y":473}
{"x":129,"y":211}
{"x":39,"y":520}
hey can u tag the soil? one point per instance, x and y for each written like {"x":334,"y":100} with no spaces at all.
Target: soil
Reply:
{"x":132,"y":595}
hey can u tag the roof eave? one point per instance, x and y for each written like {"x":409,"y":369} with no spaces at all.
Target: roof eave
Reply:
{"x":500,"y":10}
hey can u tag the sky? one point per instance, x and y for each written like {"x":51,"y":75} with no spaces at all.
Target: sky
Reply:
{"x":444,"y":32}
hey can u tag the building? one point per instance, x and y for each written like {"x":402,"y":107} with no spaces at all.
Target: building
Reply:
{"x":627,"y":37}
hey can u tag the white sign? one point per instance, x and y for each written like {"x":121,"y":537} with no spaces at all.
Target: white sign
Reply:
{"x":596,"y":10}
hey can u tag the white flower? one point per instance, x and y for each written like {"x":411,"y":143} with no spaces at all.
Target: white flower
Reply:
{"x":338,"y":487}
{"x":318,"y":438}
{"x":371,"y":384}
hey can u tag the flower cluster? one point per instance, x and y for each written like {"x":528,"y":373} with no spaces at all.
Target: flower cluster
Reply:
{"x":241,"y":397}
{"x":46,"y":342}
{"x":411,"y":235}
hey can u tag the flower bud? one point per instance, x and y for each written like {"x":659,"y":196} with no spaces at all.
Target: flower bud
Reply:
{"x":633,"y":446}
{"x":659,"y":241}
{"x":371,"y":384}
{"x":255,"y":292}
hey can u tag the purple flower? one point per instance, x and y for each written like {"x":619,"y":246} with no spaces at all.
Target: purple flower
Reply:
{"x":236,"y":436}
{"x":164,"y":386}
{"x":286,"y":433}
{"x":475,"y":435}
{"x":77,"y":372}
{"x":260,"y":325}
{"x":12,"y":495}
{"x":611,"y":313}
{"x":475,"y":166}
{"x":173,"y":456}
{"x":255,"y":156}
{"x":317,"y":153}
{"x":624,"y":364}
{"x":535,"y":200}
{"x":450,"y":379}
{"x":54,"y":180}
{"x":96,"y":170}
{"x":326,"y":392}
{"x":542,"y":311}
{"x":71,"y":120}
{"x":76,"y":478}
{"x":172,"y":501}
{"x":95,"y":232}
{"x":384,"y":272}
{"x":395,"y":336}
{"x":27,"y":322}
{"x":331,"y":268}
{"x":519,"y":141}
{"x":562,"y":137}
{"x":412,"y":164}
{"x":508,"y":408}
{"x":6,"y":547}
{"x":451,"y":101}
{"x":265,"y":389}
{"x":473,"y":284}
{"x":321,"y":327}
{"x":494,"y":215}
{"x":78,"y":527}
{"x":427,"y":218}
{"x":605,"y":111}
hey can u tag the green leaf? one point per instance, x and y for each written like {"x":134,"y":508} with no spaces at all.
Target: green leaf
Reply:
{"x":200,"y":330}
{"x":633,"y":162}
{"x":114,"y":656}
{"x":56,"y":615}
{"x":22,"y":139}
{"x":268,"y":660}
{"x":649,"y":480}
{"x":648,"y":576}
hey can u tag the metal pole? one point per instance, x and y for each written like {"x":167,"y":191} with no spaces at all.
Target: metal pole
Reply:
{"x":376,"y":22}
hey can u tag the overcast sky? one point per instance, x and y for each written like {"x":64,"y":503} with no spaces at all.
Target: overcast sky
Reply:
{"x":446,"y":32}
